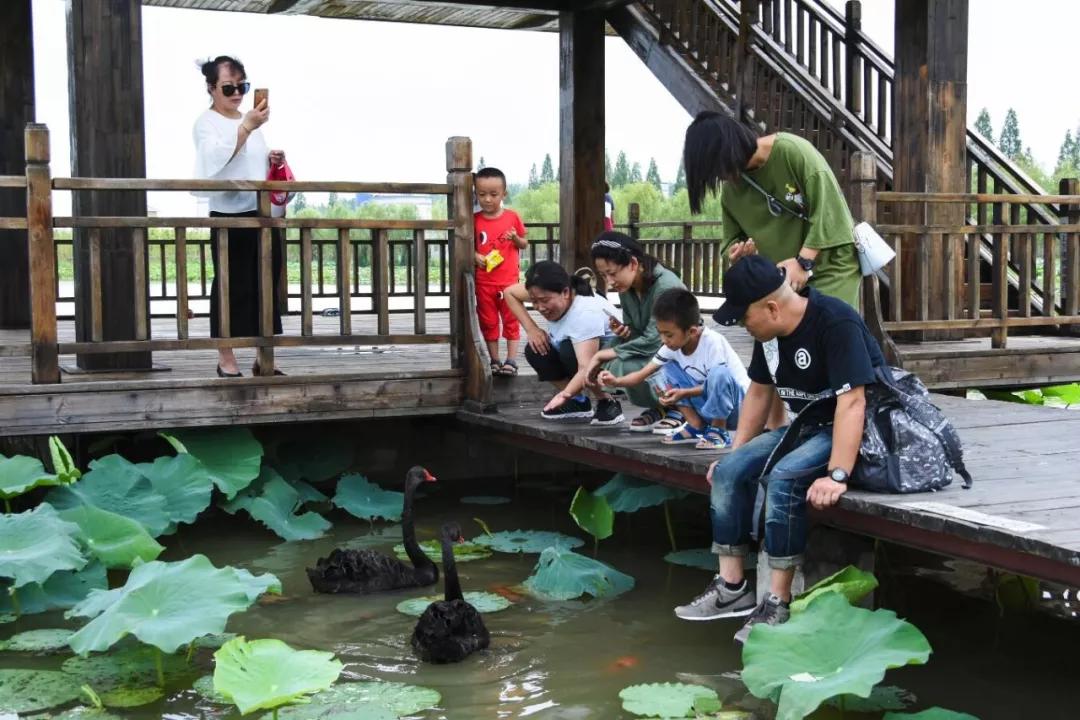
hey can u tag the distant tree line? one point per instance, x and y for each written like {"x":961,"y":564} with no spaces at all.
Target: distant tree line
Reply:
{"x":1011,"y":144}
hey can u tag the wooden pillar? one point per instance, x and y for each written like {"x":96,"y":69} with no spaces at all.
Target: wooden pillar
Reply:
{"x":930,"y":142}
{"x":16,"y":110}
{"x":107,"y":140}
{"x":581,"y":134}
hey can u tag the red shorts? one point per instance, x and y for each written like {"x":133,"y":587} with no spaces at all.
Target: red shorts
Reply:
{"x":490,"y":306}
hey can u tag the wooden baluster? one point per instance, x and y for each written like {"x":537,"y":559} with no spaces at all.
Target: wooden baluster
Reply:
{"x":1070,"y":276}
{"x":699,"y":279}
{"x":344,"y":286}
{"x":264,"y":354}
{"x":203,"y":278}
{"x":633,"y":214}
{"x":800,"y":34}
{"x":380,"y":284}
{"x":686,"y":259}
{"x":163,"y":268}
{"x":868,"y":96}
{"x":222,"y":270}
{"x":853,"y":59}
{"x":952,"y":295}
{"x":1000,"y":274}
{"x":824,"y":53}
{"x":420,"y":283}
{"x":305,"y":282}
{"x":140,"y":283}
{"x":788,"y":8}
{"x":974,"y":282}
{"x":44,"y":361}
{"x":462,"y":246}
{"x":717,"y":258}
{"x":180,"y":248}
{"x":884,"y":97}
{"x":96,"y":314}
{"x":1025,"y":275}
{"x":812,"y":45}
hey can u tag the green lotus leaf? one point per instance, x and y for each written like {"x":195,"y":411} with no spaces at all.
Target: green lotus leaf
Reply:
{"x":63,"y":590}
{"x":231,"y":456}
{"x":21,"y":473}
{"x":562,"y":574}
{"x":630,"y":494}
{"x":35,"y":544}
{"x":356,"y":711}
{"x":266,"y":674}
{"x":168,"y":604}
{"x":213,"y":642}
{"x":851,"y":582}
{"x":401,"y":699}
{"x":934,"y":713}
{"x":882,"y":697}
{"x":273,"y":502}
{"x":116,"y":485}
{"x":45,"y":640}
{"x":697,"y":558}
{"x":592,"y":514}
{"x":484,"y":500}
{"x":308,"y":493}
{"x":84,"y":712}
{"x":183,"y":482}
{"x":484,"y":602}
{"x":25,"y":691}
{"x":831,"y":648}
{"x":115,"y":540}
{"x":130,"y":667}
{"x":204,"y":686}
{"x":463,"y":552}
{"x":1068,"y":394}
{"x":63,"y":465}
{"x":527,"y":541}
{"x":131,"y":697}
{"x":314,"y":459}
{"x":367,"y":501}
{"x":665,"y":700}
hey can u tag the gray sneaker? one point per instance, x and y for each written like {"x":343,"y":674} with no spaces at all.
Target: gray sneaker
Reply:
{"x":771,"y":611}
{"x":718,"y":602}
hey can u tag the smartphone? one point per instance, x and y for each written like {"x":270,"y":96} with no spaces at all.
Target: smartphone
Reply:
{"x":613,"y":316}
{"x":260,"y":95}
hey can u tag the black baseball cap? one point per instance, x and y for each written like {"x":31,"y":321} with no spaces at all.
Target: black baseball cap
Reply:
{"x":747,"y":281}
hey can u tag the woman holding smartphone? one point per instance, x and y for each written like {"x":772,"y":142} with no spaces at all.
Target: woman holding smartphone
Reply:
{"x":229,"y":145}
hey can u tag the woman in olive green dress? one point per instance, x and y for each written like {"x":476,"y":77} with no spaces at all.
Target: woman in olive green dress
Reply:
{"x":780,"y":199}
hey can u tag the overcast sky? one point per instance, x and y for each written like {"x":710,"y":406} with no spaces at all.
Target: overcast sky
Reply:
{"x":376,"y":101}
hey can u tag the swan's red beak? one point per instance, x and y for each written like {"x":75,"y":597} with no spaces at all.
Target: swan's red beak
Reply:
{"x":428,"y":477}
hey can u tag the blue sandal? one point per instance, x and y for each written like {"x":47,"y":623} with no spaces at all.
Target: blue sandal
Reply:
{"x":714,"y":439}
{"x":686,"y":435}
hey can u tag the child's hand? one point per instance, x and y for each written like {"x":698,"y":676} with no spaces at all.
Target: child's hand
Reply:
{"x":606,"y":378}
{"x":480,"y":260}
{"x":621,"y":330}
{"x":672,"y":396}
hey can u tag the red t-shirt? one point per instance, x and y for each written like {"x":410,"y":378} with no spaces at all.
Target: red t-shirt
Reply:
{"x":491,"y":234}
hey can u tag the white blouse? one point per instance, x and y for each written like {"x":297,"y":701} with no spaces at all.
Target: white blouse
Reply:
{"x":215,"y":139}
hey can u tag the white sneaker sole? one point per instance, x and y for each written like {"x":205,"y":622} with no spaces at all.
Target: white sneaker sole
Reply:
{"x":665,"y":430}
{"x":568,"y":416}
{"x":642,"y":428}
{"x":605,"y":423}
{"x":721,"y":616}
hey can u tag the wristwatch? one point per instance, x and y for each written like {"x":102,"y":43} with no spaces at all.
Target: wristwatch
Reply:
{"x":839,"y":475}
{"x":805,"y":263}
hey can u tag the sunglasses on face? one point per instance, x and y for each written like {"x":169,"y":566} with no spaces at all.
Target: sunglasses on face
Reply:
{"x":228,"y":90}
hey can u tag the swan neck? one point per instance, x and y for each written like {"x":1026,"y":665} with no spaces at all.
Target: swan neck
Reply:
{"x":408,"y":531}
{"x":450,"y":577}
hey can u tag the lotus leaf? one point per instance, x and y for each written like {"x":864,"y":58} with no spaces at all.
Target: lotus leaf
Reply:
{"x":308,"y":493}
{"x":131,"y":667}
{"x":809,"y":659}
{"x":697,"y":558}
{"x":183,"y":482}
{"x":484,"y":602}
{"x":61,"y":591}
{"x":400,"y":698}
{"x":665,"y":700}
{"x":232,"y":457}
{"x":1068,"y":394}
{"x":214,"y":641}
{"x":366,"y":500}
{"x":21,"y":473}
{"x":851,"y":582}
{"x":168,"y":604}
{"x":527,"y":541}
{"x":84,"y":712}
{"x":273,"y":502}
{"x":63,"y":465}
{"x":562,"y":574}
{"x":630,"y":494}
{"x":131,"y":697}
{"x":882,"y":697}
{"x":25,"y":691}
{"x":35,"y":544}
{"x":484,"y":500}
{"x":116,"y":485}
{"x":463,"y":552}
{"x":115,"y":540}
{"x":46,"y":640}
{"x":934,"y":713}
{"x":356,"y":711}
{"x":266,"y":674}
{"x":204,"y":686}
{"x":592,"y":514}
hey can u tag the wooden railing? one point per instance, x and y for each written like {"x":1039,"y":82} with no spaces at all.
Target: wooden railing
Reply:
{"x":44,"y":348}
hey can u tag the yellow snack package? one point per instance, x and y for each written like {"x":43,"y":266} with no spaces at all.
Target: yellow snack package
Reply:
{"x":494,"y":259}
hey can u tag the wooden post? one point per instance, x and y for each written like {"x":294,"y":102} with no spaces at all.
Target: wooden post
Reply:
{"x":863,"y":199}
{"x":853,"y":59}
{"x":264,"y":354}
{"x":1070,"y":254}
{"x":748,"y":15}
{"x":462,"y":246}
{"x":633,"y":216}
{"x":930,"y":142}
{"x":45,"y":366}
{"x":420,"y":282}
{"x":180,"y":246}
{"x":305,"y":282}
{"x":107,"y":140}
{"x":581,"y":135}
{"x":17,"y":101}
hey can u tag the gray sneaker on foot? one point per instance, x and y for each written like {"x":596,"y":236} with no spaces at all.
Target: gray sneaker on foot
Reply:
{"x":719,"y":602}
{"x":771,"y":611}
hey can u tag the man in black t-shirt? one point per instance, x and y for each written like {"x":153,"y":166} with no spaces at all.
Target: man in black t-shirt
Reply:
{"x":811,"y":349}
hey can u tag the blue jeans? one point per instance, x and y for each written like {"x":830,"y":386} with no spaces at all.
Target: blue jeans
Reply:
{"x":722,"y":396}
{"x":735,"y":483}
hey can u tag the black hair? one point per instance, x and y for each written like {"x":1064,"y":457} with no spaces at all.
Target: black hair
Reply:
{"x":491,"y":172}
{"x":551,"y":276}
{"x":619,"y":248}
{"x":717,"y":148}
{"x":679,"y":306}
{"x":211,"y":68}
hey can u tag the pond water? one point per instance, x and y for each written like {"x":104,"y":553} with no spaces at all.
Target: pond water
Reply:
{"x":568,"y":660}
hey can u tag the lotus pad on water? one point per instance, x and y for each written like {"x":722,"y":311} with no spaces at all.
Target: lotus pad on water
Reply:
{"x":45,"y":640}
{"x":664,"y":700}
{"x":592,"y":514}
{"x":116,"y":485}
{"x":61,"y":591}
{"x":831,"y":648}
{"x":463,"y":552}
{"x":367,"y":501}
{"x":131,"y":697}
{"x":274,"y":503}
{"x":934,"y":713}
{"x":630,"y":494}
{"x":132,"y":667}
{"x":115,"y":540}
{"x":232,"y":457}
{"x":484,"y":602}
{"x":697,"y":558}
{"x":882,"y":697}
{"x":184,"y":483}
{"x":25,"y":691}
{"x":20,"y":473}
{"x":338,"y":701}
{"x":851,"y":582}
{"x":35,"y":544}
{"x":168,"y":604}
{"x":266,"y":674}
{"x":527,"y":541}
{"x":562,"y":574}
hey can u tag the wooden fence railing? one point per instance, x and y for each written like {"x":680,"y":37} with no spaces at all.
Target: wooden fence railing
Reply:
{"x":44,"y":348}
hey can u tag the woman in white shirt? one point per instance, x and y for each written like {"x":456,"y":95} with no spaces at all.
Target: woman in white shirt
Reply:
{"x":229,"y":145}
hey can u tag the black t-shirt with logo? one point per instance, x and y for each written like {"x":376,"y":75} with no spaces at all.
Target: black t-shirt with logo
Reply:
{"x":831,"y":349}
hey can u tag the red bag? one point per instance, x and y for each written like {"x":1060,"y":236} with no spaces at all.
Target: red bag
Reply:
{"x":280,"y":199}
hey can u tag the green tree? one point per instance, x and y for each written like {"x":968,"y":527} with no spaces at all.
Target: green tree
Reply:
{"x":680,"y":179}
{"x":481,"y":165}
{"x":983,"y":126}
{"x":539,"y":204}
{"x":1010,"y":142}
{"x":299,"y":202}
{"x":635,"y":173}
{"x":621,"y":174}
{"x":547,"y":172}
{"x":333,"y":201}
{"x":607,"y":167}
{"x":534,"y":179}
{"x":653,"y":175}
{"x":1067,"y":152}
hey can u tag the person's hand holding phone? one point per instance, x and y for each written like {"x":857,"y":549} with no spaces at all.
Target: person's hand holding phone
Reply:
{"x":617,"y":327}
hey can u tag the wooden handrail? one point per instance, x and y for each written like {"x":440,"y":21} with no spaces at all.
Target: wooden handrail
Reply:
{"x":78,"y":183}
{"x":247,"y":222}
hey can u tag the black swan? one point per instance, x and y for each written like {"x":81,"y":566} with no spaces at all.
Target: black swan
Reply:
{"x":368,"y":571}
{"x":449,"y":630}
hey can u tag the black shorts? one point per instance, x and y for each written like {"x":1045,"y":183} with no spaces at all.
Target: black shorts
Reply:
{"x":558,"y":363}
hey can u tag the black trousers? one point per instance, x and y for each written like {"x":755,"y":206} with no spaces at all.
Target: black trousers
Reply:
{"x":244,"y":280}
{"x":558,"y":363}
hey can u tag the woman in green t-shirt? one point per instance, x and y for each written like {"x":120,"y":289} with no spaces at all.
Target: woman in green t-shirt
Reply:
{"x":804,"y":228}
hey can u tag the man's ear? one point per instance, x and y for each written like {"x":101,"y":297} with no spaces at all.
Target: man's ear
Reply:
{"x":773,"y":308}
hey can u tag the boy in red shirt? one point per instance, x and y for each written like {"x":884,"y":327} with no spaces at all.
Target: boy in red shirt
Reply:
{"x":500,"y":234}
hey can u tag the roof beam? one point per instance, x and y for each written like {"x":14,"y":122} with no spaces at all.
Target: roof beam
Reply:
{"x":533,"y":7}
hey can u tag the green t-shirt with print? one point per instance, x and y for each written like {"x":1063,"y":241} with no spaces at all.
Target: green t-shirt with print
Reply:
{"x":798,"y":176}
